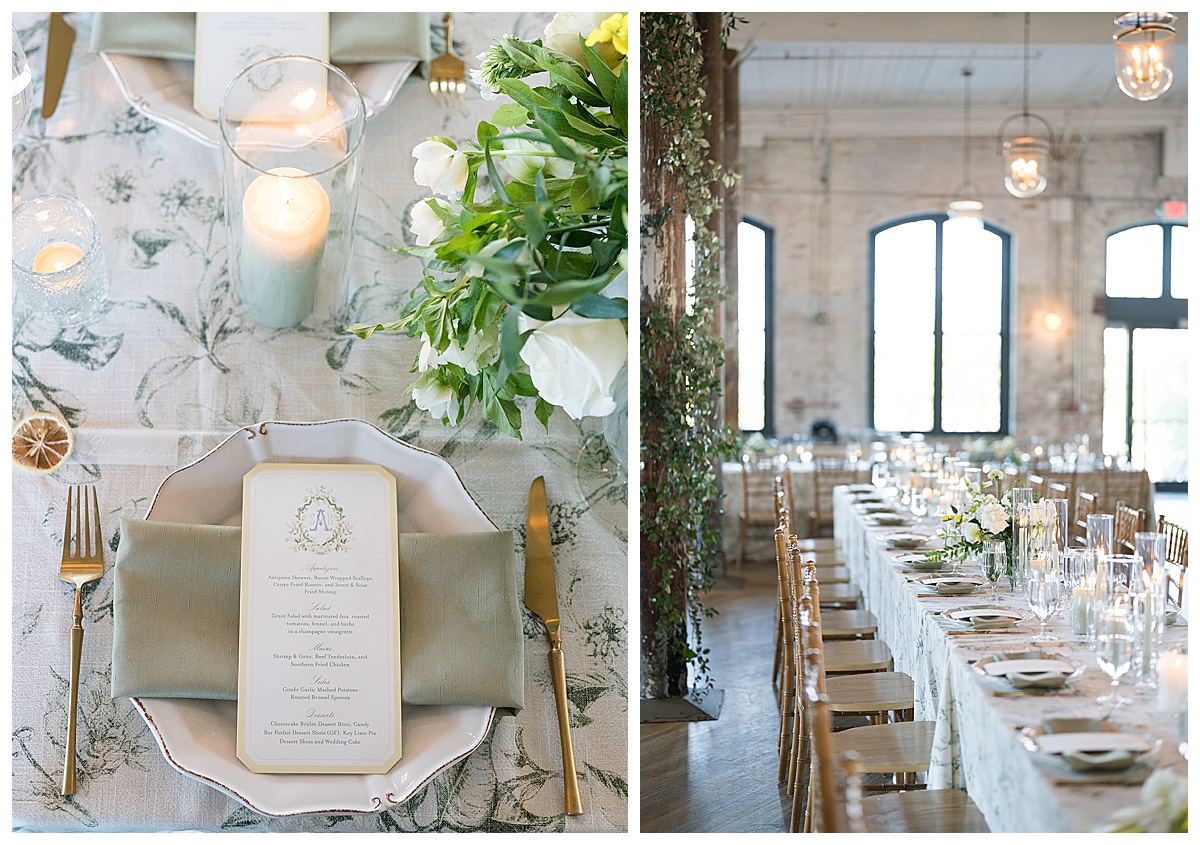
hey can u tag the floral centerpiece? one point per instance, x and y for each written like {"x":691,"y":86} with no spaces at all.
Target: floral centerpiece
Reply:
{"x":524,"y":246}
{"x":987,"y":516}
{"x":1163,"y":808}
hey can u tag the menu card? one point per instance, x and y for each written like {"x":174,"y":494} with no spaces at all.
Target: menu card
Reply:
{"x":229,"y":42}
{"x":319,"y":650}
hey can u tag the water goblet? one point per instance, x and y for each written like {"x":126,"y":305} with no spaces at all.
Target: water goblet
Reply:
{"x":994,"y":563}
{"x":1043,"y":591}
{"x":1114,"y":651}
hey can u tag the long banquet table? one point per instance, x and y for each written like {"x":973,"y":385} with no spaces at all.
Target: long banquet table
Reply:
{"x":172,"y":368}
{"x":977,"y":744}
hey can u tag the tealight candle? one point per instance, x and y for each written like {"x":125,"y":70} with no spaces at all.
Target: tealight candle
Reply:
{"x":56,"y":257}
{"x":285,"y":221}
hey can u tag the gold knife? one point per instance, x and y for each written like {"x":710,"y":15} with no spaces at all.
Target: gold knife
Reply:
{"x":541,"y":597}
{"x":58,"y":54}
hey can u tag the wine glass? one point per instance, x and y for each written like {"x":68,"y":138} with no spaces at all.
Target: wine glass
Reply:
{"x":22,"y":87}
{"x":994,"y":563}
{"x":1114,"y":651}
{"x":1044,"y":590}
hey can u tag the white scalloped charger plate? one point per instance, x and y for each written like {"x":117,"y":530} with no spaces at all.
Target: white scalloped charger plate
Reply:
{"x":199,"y":737}
{"x":161,"y":89}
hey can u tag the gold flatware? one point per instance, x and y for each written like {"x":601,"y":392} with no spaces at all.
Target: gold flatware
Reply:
{"x":59,"y":42}
{"x":447,"y":73}
{"x":541,"y":596}
{"x":82,"y":563}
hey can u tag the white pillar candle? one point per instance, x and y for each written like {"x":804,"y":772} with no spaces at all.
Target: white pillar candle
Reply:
{"x":56,"y":257}
{"x":1172,"y":682}
{"x":1081,"y":604}
{"x":285,"y":221}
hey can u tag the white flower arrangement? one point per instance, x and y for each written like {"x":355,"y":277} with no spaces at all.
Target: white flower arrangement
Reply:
{"x":518,"y":297}
{"x":984,"y":518}
{"x":1164,"y":807}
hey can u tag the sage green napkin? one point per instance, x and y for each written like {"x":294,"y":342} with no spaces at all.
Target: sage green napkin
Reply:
{"x":176,"y":604}
{"x":1037,"y":680}
{"x":354,"y":37}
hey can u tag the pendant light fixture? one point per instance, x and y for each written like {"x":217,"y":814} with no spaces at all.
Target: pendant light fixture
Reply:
{"x":1025,"y":146}
{"x":1145,"y":53}
{"x":967,"y":210}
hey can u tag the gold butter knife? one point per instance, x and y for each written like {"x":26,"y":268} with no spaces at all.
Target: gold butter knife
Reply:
{"x":541,"y":596}
{"x":60,"y":41}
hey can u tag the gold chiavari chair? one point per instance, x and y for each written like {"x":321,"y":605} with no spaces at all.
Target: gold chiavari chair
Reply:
{"x":1176,"y":557}
{"x":1126,"y":524}
{"x":826,"y":476}
{"x":758,"y":500}
{"x":1085,"y":505}
{"x":848,"y":810}
{"x":1123,"y":485}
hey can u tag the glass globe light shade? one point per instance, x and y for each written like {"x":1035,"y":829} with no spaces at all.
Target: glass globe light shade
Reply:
{"x":965,"y":213}
{"x":1025,"y":166}
{"x":1145,"y":54}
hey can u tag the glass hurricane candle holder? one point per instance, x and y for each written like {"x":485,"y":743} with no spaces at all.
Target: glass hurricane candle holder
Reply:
{"x":58,"y":260}
{"x":291,"y":128}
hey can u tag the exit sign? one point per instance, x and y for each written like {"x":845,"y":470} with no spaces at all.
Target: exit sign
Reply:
{"x":1174,"y":209}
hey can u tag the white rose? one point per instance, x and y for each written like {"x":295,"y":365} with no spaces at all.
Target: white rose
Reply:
{"x":440,"y":167}
{"x":562,"y":33}
{"x":574,"y":361}
{"x":481,"y":350}
{"x":425,"y":223}
{"x":524,"y":168}
{"x":993,"y":518}
{"x":440,"y":401}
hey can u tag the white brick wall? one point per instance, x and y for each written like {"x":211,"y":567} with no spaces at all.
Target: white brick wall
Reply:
{"x":821,"y":243}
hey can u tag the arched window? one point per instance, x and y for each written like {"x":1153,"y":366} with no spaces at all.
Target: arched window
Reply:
{"x":939,"y":326}
{"x":754,"y":325}
{"x":1148,"y":277}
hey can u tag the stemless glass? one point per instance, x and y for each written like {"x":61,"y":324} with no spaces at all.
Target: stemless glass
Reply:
{"x":1114,"y":651}
{"x":994,"y":561}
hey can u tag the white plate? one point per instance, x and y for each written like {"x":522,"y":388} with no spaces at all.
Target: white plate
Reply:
{"x":161,"y":89}
{"x":965,"y":614}
{"x":199,"y":737}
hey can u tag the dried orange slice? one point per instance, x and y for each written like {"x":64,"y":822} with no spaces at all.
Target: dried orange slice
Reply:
{"x":41,"y":442}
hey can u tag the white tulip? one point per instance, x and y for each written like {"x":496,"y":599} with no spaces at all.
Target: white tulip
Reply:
{"x":425,"y":223}
{"x":524,"y":168}
{"x":440,"y":167}
{"x":440,"y":401}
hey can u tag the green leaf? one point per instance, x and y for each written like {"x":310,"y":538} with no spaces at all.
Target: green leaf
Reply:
{"x":602,"y":74}
{"x":620,"y":100}
{"x":510,"y":114}
{"x":494,"y":174}
{"x":485,"y":131}
{"x":567,"y":291}
{"x":542,"y":410}
{"x":600,"y":307}
{"x":606,"y":253}
{"x":511,"y":342}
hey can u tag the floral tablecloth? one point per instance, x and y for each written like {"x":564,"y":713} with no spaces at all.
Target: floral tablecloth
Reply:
{"x":976,"y":743}
{"x":173,"y":366}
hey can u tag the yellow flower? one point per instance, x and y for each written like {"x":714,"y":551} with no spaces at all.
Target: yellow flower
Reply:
{"x":615,"y":29}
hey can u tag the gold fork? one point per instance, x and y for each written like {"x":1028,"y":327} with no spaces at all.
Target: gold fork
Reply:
{"x":447,"y":73}
{"x":82,"y":563}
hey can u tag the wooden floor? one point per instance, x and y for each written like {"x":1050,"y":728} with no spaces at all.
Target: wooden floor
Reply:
{"x":719,"y":776}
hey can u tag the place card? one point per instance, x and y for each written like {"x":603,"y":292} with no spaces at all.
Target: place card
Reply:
{"x":1012,"y":667}
{"x":319,"y":649}
{"x":229,"y":42}
{"x":1092,"y":741}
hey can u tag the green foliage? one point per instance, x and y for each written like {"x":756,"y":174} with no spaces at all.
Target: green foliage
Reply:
{"x":681,"y":358}
{"x":538,"y":229}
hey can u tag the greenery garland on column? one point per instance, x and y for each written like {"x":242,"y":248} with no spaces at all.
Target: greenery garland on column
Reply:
{"x":683,"y":438}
